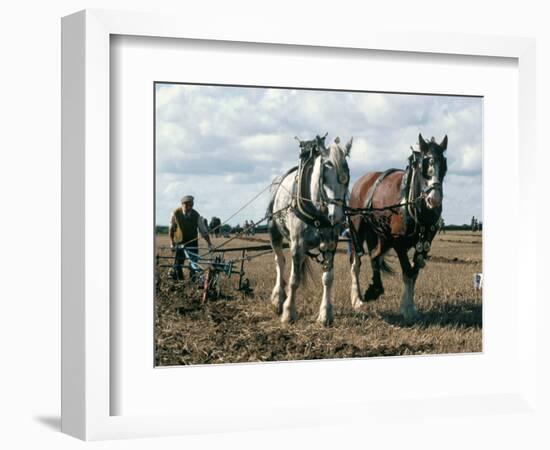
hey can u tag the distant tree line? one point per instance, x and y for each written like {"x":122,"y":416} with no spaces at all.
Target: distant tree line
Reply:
{"x":464,"y":227}
{"x":260,"y":229}
{"x":223,"y":230}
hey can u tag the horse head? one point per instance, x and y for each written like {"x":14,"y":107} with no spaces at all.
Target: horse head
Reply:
{"x":334,"y":180}
{"x":432,"y":167}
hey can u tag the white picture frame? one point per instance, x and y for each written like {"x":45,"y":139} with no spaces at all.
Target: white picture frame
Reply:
{"x":86,"y":247}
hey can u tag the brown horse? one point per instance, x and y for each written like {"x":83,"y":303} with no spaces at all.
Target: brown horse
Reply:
{"x":400,"y":210}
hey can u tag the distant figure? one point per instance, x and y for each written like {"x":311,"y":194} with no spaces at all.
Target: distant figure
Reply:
{"x":347,"y":235}
{"x":252,"y":228}
{"x":473,"y":224}
{"x":215,"y":225}
{"x":441,"y":226}
{"x":185,"y":223}
{"x":478,"y":281}
{"x":246,"y":228}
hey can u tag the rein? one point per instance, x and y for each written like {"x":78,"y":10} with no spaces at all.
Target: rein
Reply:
{"x":412,"y":205}
{"x":371,"y":210}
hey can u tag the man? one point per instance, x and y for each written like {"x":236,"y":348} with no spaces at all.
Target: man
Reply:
{"x":346,"y":234}
{"x":185,"y":224}
{"x":441,"y":225}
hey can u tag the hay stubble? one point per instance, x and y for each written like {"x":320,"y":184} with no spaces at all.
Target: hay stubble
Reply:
{"x":236,"y":329}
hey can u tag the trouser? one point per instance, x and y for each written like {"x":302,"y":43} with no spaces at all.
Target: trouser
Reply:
{"x":180,"y":260}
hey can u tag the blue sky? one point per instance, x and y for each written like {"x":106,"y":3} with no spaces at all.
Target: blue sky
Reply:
{"x":225,"y":144}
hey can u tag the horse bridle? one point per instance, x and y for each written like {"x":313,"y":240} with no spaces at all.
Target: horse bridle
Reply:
{"x":423,"y":245}
{"x":343,"y":178}
{"x":303,"y":206}
{"x":425,"y":191}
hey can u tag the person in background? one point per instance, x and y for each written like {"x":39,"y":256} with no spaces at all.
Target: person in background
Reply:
{"x":185,"y":225}
{"x":346,"y":234}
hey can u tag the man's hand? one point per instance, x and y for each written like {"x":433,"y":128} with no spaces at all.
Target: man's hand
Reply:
{"x":172,"y":246}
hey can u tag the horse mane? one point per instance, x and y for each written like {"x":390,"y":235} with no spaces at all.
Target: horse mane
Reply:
{"x":337,"y":155}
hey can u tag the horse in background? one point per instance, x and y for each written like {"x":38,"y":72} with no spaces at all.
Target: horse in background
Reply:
{"x":307,"y":209}
{"x":401,"y":210}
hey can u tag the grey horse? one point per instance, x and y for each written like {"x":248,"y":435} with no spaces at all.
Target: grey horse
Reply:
{"x":307,"y":209}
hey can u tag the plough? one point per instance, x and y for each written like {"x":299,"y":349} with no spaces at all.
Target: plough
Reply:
{"x":207,"y":269}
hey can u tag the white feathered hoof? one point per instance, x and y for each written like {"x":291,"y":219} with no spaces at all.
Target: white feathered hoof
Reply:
{"x":359,"y":305}
{"x":325,"y":317}
{"x":408,"y":312}
{"x":288,"y":316}
{"x":277,"y":300}
{"x":277,"y":306}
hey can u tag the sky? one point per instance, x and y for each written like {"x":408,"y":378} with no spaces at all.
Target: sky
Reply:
{"x":225,"y":144}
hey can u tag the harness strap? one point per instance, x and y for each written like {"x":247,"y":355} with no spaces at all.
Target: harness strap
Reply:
{"x":372,"y":190}
{"x":412,"y":194}
{"x":303,"y":207}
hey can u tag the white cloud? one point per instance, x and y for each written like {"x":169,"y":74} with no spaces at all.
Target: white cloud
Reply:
{"x":265,"y":147}
{"x":223,"y":143}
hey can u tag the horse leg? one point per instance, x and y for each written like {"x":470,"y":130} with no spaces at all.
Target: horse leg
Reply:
{"x":376,"y":288}
{"x":289,"y":306}
{"x":355,"y":260}
{"x":325,"y":312}
{"x":376,"y":250}
{"x":356,"y":300}
{"x":278,"y":294}
{"x":407,"y":308}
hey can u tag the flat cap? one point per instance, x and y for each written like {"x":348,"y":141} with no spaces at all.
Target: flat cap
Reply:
{"x":187,"y":199}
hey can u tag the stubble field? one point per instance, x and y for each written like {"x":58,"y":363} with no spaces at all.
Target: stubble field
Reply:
{"x":235,"y":328}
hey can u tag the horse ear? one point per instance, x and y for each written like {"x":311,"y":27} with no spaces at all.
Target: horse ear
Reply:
{"x":422,"y":143}
{"x":348,"y":146}
{"x":443,"y":144}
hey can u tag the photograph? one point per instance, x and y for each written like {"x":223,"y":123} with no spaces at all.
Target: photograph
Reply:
{"x":297,"y":224}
